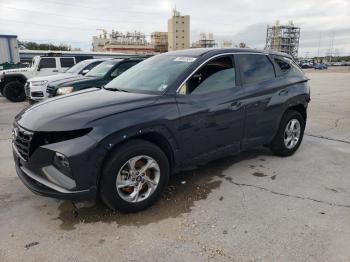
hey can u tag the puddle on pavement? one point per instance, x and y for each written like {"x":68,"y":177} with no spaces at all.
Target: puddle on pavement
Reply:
{"x":178,"y":198}
{"x":259,"y":174}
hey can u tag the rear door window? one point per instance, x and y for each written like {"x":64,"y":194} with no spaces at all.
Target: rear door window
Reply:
{"x":255,"y":68}
{"x":67,"y":61}
{"x":48,"y":62}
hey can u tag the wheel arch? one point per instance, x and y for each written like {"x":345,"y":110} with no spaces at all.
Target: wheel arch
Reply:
{"x":299,"y":108}
{"x":158,"y":136}
{"x":15,"y":77}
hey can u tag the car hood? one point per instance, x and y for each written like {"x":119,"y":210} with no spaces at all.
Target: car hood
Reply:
{"x":74,"y":81}
{"x":80,"y":109}
{"x":16,"y":70}
{"x":53,"y":78}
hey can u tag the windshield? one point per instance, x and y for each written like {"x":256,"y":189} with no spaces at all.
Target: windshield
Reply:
{"x":103,"y":68}
{"x":152,"y":75}
{"x":77,"y":67}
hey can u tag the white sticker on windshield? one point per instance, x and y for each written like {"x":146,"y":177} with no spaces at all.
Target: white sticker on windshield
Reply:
{"x":162,"y":87}
{"x":186,"y":59}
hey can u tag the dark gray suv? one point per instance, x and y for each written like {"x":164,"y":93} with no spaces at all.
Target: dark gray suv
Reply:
{"x":122,"y":142}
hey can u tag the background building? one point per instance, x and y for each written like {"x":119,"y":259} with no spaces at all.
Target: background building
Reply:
{"x":159,"y":41}
{"x":283,"y":38}
{"x":227,"y":44}
{"x":205,"y":41}
{"x":178,"y":31}
{"x":9,"y":49}
{"x":128,"y":43}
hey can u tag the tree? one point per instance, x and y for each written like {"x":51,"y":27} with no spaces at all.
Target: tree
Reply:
{"x":37,"y":46}
{"x":242,"y":45}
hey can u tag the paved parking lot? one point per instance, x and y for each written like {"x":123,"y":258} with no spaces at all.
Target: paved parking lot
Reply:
{"x":253,"y":207}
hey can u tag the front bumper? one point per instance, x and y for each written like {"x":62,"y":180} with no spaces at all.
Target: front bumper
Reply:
{"x":45,"y":188}
{"x":35,"y":93}
{"x":39,"y":175}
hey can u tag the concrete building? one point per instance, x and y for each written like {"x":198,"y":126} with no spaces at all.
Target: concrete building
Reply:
{"x":9,"y":49}
{"x":227,"y":44}
{"x":178,"y":31}
{"x":283,"y":38}
{"x":127,"y":43}
{"x":159,"y":40}
{"x":205,"y":41}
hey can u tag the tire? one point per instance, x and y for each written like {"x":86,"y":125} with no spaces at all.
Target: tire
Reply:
{"x":121,"y":199}
{"x":14,"y":91}
{"x":278,"y":145}
{"x":31,"y":102}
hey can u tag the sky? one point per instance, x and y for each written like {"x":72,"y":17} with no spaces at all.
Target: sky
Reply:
{"x":322,"y":22}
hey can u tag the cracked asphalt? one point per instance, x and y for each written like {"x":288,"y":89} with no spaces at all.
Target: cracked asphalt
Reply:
{"x":251,"y":207}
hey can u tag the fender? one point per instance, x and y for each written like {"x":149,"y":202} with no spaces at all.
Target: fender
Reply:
{"x":14,"y":77}
{"x":167,"y":141}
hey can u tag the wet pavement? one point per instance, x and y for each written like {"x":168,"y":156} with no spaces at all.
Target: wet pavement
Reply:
{"x":251,"y":207}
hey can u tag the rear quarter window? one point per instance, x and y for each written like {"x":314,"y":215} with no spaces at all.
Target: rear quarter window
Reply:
{"x":287,"y":66}
{"x":67,"y":62}
{"x":255,"y":68}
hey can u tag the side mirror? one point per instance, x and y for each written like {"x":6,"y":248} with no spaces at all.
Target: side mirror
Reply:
{"x":39,"y":67}
{"x":84,"y":72}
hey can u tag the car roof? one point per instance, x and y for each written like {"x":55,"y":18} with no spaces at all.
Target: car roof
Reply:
{"x":203,"y":51}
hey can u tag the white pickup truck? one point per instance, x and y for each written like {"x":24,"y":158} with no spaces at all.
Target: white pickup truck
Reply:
{"x":12,"y":81}
{"x":35,"y":87}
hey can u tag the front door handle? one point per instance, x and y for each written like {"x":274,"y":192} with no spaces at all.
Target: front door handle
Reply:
{"x":55,"y":70}
{"x":284,"y":92}
{"x":236,"y":106}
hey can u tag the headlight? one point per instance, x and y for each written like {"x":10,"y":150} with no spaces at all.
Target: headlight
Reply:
{"x":38,"y":83}
{"x":61,"y":162}
{"x":64,"y":90}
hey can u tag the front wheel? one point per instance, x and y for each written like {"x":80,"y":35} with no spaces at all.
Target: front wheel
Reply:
{"x":134,"y":177}
{"x":14,"y":91}
{"x":289,"y":135}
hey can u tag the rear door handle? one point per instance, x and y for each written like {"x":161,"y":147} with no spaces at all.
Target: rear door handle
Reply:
{"x":55,"y":70}
{"x":236,"y":106}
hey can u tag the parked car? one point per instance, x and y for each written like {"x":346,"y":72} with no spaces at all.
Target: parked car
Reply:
{"x":306,"y":65}
{"x":36,"y":87}
{"x":12,"y":81}
{"x":97,"y":77}
{"x":168,"y":112}
{"x":320,"y":66}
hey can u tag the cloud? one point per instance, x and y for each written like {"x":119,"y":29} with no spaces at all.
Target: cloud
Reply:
{"x":75,"y":22}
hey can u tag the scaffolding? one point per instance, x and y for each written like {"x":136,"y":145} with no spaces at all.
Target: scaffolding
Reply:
{"x":159,"y":41}
{"x":205,"y":41}
{"x":283,"y":38}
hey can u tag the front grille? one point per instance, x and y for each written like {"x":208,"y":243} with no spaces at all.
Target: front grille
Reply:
{"x":27,"y":90}
{"x":37,"y":94}
{"x":51,"y":91}
{"x":22,"y":140}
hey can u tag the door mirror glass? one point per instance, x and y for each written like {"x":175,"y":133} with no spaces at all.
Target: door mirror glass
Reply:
{"x":84,"y":72}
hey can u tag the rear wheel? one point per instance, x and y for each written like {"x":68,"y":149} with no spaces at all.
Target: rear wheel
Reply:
{"x":14,"y":91}
{"x":289,"y":135}
{"x":134,"y":177}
